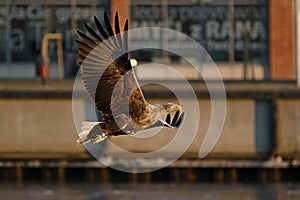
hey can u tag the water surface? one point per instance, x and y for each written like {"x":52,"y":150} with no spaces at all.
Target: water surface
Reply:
{"x":140,"y":191}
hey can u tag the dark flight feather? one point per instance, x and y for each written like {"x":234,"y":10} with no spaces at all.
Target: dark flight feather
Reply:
{"x":106,"y":70}
{"x":103,"y":65}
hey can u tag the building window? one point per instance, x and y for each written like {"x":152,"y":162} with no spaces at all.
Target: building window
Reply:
{"x":230,"y":31}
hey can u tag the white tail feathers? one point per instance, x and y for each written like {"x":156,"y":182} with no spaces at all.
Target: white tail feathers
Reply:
{"x":85,"y":130}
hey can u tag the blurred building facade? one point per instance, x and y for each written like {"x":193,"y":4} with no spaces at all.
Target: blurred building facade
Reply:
{"x":256,"y":39}
{"x":250,"y":39}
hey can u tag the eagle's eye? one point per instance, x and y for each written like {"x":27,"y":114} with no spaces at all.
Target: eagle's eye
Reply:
{"x":167,"y":106}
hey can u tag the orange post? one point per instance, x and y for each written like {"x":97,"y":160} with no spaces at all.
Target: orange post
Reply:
{"x":45,"y":54}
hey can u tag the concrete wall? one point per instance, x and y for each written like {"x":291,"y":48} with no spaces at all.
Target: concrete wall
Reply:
{"x":237,"y":138}
{"x":288,"y":128}
{"x":41,"y":128}
{"x":232,"y":71}
{"x":45,"y":128}
{"x":38,"y":128}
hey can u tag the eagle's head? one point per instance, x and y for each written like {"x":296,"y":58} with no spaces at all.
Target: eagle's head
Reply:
{"x":172,"y":107}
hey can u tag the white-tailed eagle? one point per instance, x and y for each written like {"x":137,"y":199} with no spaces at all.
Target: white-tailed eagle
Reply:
{"x":110,"y":81}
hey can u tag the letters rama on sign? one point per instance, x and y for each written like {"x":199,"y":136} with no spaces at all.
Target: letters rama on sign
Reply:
{"x":208,"y":24}
{"x":211,"y":26}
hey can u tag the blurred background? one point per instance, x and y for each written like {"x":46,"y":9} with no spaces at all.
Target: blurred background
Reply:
{"x":255,"y":45}
{"x":235,"y":33}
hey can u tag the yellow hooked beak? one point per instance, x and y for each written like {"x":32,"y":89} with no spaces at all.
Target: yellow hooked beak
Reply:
{"x":178,"y":107}
{"x":170,"y":107}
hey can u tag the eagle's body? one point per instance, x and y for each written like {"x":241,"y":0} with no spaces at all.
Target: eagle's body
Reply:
{"x":110,"y":81}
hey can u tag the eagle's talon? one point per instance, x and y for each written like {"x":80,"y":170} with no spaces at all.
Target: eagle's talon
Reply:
{"x":178,"y":121}
{"x":175,"y":119}
{"x":168,"y":119}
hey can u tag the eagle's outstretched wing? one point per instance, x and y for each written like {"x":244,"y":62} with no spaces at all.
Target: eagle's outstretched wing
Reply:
{"x":108,"y":76}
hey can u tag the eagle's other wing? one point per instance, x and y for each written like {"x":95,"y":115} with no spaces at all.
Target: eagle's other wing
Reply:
{"x":107,"y":74}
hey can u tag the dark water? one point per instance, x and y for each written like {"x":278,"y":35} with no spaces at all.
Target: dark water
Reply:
{"x":97,"y":191}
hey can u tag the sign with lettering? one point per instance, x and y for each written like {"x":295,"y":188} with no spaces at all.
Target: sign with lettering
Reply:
{"x":26,"y":25}
{"x":210,"y":25}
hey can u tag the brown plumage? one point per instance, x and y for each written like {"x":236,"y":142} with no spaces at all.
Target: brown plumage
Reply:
{"x":110,"y":81}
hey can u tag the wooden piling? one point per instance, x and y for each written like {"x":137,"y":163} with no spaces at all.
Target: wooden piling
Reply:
{"x":105,"y":175}
{"x":88,"y":173}
{"x":19,"y":174}
{"x":47,"y":175}
{"x":175,"y":175}
{"x":134,"y":176}
{"x":190,"y":176}
{"x":262,"y":175}
{"x":147,"y":177}
{"x":219,"y":175}
{"x":276,"y":175}
{"x":234,"y":175}
{"x":61,"y":174}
